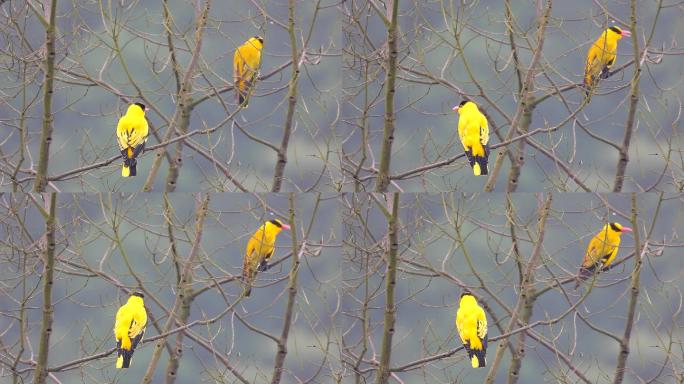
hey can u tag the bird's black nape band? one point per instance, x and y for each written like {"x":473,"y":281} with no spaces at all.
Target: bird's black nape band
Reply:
{"x":466,"y":293}
{"x":141,"y":105}
{"x":276,"y":223}
{"x":615,"y":227}
{"x":140,"y":295}
{"x":463,"y":102}
{"x":261,"y":39}
{"x":616,"y":30}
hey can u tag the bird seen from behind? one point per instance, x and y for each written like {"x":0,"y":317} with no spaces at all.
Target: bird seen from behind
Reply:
{"x":129,"y":328}
{"x":471,"y":324}
{"x":473,"y":131}
{"x":131,"y":134}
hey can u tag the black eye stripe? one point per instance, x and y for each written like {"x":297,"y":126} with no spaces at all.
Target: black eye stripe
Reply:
{"x":616,"y":30}
{"x":276,"y":223}
{"x":615,"y":227}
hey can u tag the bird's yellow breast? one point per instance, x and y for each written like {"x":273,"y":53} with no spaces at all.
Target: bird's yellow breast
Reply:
{"x":262,"y":242}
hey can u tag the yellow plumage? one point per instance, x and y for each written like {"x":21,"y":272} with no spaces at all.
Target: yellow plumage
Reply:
{"x":259,"y":250}
{"x":129,"y":328}
{"x":131,"y":134}
{"x":602,"y":249}
{"x":601,"y":56}
{"x":246,"y":62}
{"x":473,"y":131}
{"x":471,"y":324}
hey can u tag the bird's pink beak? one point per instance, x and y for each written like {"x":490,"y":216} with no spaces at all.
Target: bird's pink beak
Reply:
{"x":285,"y":226}
{"x":455,"y":109}
{"x":626,"y":33}
{"x":626,"y":229}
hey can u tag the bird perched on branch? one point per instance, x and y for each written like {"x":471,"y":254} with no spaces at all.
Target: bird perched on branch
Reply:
{"x":471,"y":324}
{"x":601,"y":56}
{"x":129,"y":328}
{"x":473,"y":131}
{"x":602,"y":250}
{"x":246,"y":62}
{"x":259,"y":250}
{"x":131,"y":134}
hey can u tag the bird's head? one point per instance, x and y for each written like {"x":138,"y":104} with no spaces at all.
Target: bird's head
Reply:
{"x":277,"y":225}
{"x":136,"y":297}
{"x":257,"y":41}
{"x":137,"y":108}
{"x":618,"y":33}
{"x":465,"y":104}
{"x":467,"y":298}
{"x":619,"y":228}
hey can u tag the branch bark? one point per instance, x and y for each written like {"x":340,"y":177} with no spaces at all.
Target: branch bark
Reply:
{"x":291,"y":298}
{"x":634,"y":296}
{"x":184,"y":284}
{"x":527,"y":278}
{"x":292,"y":101}
{"x":524,"y":96}
{"x":390,"y":283}
{"x":46,"y":135}
{"x":633,"y":101}
{"x":383,"y":179}
{"x":185,"y":104}
{"x":41,"y":372}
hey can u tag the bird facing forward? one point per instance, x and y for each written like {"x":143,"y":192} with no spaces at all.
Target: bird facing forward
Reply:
{"x":471,"y":324}
{"x":129,"y":328}
{"x":131,"y":134}
{"x":601,"y":56}
{"x":473,"y":131}
{"x":259,"y":250}
{"x":246,"y":62}
{"x":602,"y":250}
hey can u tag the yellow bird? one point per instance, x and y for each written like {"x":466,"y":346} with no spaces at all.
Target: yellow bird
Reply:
{"x":259,"y":250}
{"x":129,"y":328}
{"x":246,"y":62}
{"x":601,"y":56}
{"x":474,"y":133}
{"x":131,"y":133}
{"x":602,"y":250}
{"x":471,"y":324}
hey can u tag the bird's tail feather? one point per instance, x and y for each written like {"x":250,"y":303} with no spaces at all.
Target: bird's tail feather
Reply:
{"x":584,"y":273}
{"x":125,"y":170}
{"x":476,"y":169}
{"x":478,"y":163}
{"x":246,"y":279}
{"x":471,"y":158}
{"x":241,"y":92}
{"x":480,"y":166}
{"x":587,"y":85}
{"x":126,"y":358}
{"x":478,"y":360}
{"x":477,"y":356}
{"x":123,"y":358}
